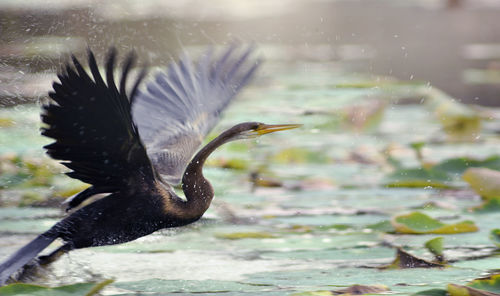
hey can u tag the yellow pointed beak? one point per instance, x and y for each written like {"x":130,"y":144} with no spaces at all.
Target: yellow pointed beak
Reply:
{"x":267,"y":128}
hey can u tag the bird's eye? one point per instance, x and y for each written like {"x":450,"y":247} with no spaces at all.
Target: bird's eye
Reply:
{"x":257,"y":126}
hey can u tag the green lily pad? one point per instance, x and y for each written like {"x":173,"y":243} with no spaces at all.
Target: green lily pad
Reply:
{"x":432,"y":292}
{"x":419,"y":223}
{"x":459,"y":121}
{"x":314,"y":293}
{"x":490,"y":283}
{"x":243,"y":235}
{"x":404,"y":281}
{"x":495,"y":236}
{"x":192,"y":286}
{"x":485,"y":182}
{"x":487,"y":206}
{"x":435,"y":246}
{"x":383,"y":226}
{"x":352,"y":290}
{"x":460,"y":164}
{"x":459,"y":290}
{"x":419,"y":177}
{"x":86,"y":289}
{"x":362,"y":290}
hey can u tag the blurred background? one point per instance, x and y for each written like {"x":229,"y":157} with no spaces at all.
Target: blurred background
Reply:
{"x":452,"y":44}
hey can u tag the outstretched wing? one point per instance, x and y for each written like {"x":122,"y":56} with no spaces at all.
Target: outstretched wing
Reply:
{"x":92,"y":126}
{"x":180,"y":107}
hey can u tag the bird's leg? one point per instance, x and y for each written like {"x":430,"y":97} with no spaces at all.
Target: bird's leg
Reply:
{"x":56,"y":254}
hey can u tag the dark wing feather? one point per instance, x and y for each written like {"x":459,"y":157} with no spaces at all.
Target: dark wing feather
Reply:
{"x":92,"y":126}
{"x":180,"y":107}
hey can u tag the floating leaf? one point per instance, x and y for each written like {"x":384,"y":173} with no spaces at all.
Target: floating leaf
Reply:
{"x":435,"y":246}
{"x":459,"y":121}
{"x":86,"y":289}
{"x":490,"y":283}
{"x":419,"y":223}
{"x":406,"y":260}
{"x":339,"y":227}
{"x":488,"y":206}
{"x":488,"y":286}
{"x":432,"y":292}
{"x":361,"y":290}
{"x":352,"y":290}
{"x":168,"y":287}
{"x":495,"y":236}
{"x":485,"y":182}
{"x":460,"y":164}
{"x":459,"y":290}
{"x":314,"y":293}
{"x":242,"y":235}
{"x":418,"y":178}
{"x":383,"y":226}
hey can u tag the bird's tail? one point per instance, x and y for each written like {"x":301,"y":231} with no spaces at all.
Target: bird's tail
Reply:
{"x":23,"y":256}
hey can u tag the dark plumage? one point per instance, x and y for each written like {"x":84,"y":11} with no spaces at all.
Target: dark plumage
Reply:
{"x":93,"y":123}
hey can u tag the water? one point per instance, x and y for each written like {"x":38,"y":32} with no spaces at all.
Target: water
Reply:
{"x":328,"y":226}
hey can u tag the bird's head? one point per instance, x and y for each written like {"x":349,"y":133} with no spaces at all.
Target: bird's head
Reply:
{"x":250,"y":130}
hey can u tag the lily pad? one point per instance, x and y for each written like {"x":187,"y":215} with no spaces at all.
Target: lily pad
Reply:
{"x":432,"y":292}
{"x":382,"y":226}
{"x":488,"y":206}
{"x":314,"y":293}
{"x":352,"y":290}
{"x":459,"y":121}
{"x":361,"y":290}
{"x":419,"y":223}
{"x":419,"y":177}
{"x":86,"y":289}
{"x":490,"y":283}
{"x":460,"y":164}
{"x":459,"y":290}
{"x":495,"y":236}
{"x":406,"y":260}
{"x":435,"y":246}
{"x":485,"y":182}
{"x":192,"y":286}
{"x":243,"y":235}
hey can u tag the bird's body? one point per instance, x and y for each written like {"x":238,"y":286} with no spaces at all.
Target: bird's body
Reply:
{"x":123,"y":144}
{"x":96,"y":224}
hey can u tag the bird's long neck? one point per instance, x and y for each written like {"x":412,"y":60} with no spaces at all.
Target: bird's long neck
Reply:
{"x":198,"y":190}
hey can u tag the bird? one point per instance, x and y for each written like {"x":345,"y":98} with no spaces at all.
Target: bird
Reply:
{"x":133,"y":147}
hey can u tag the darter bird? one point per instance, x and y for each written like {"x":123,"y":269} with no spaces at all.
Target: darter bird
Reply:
{"x":134,"y":147}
